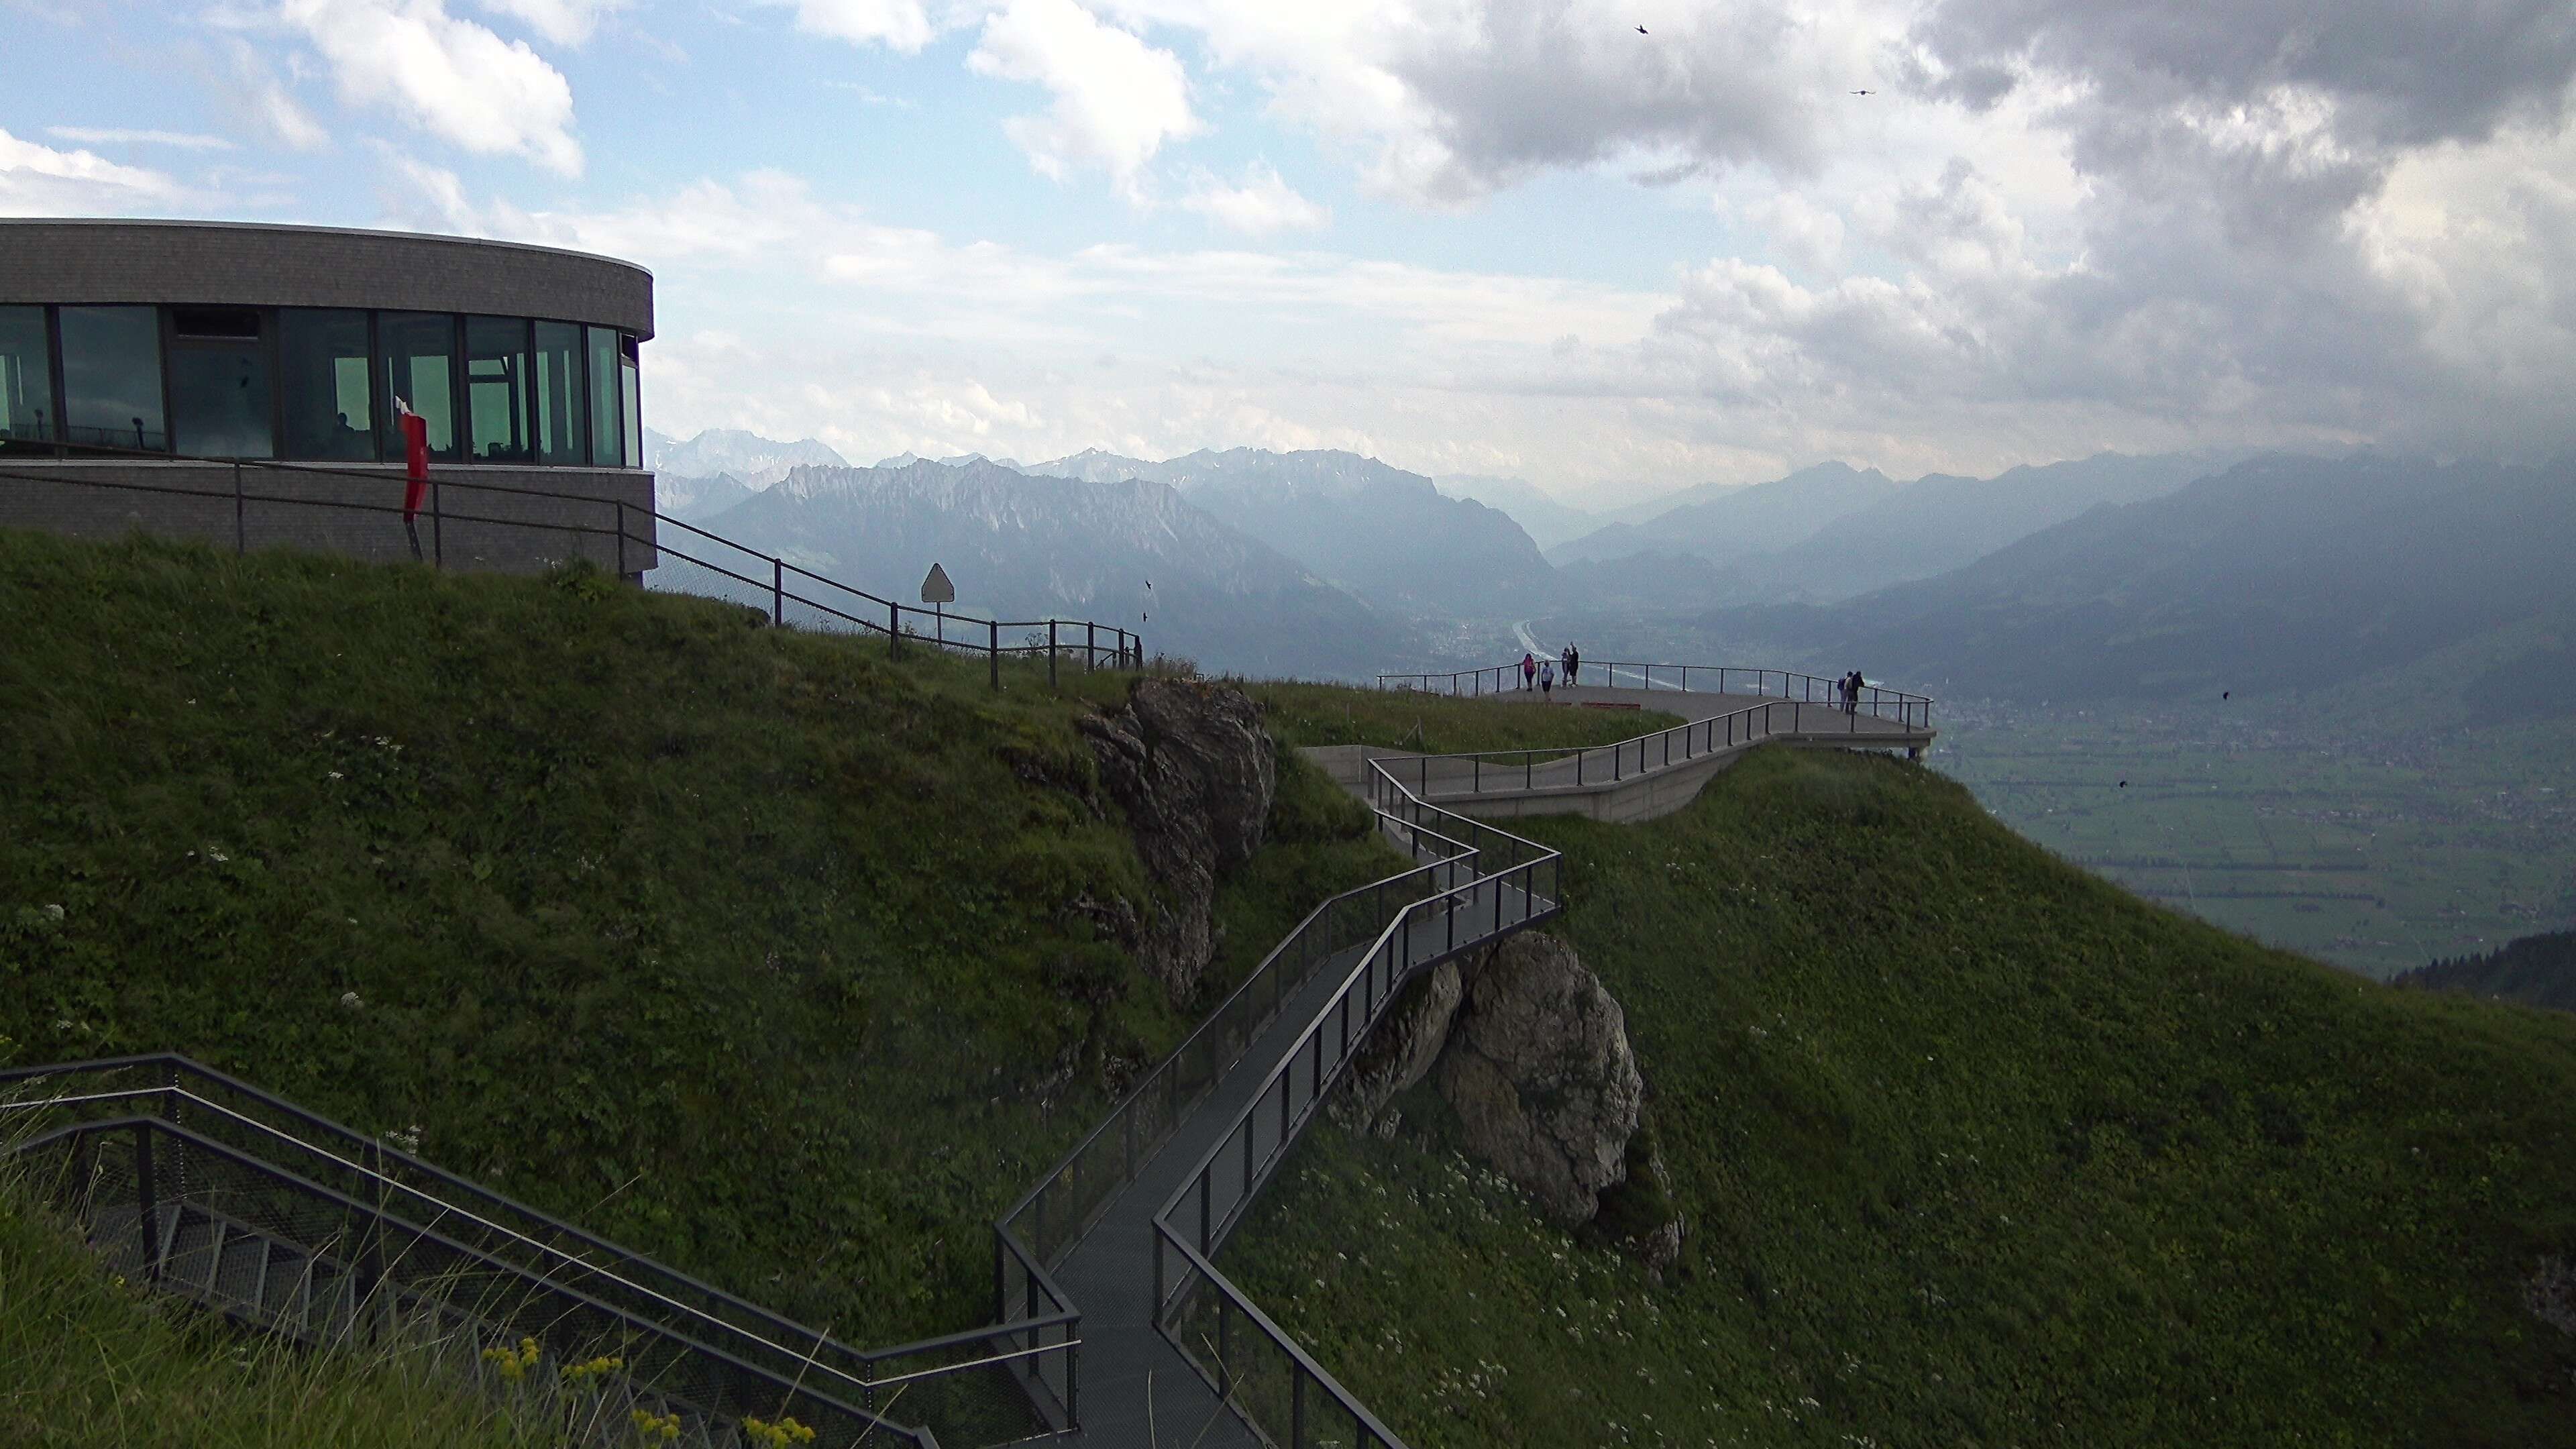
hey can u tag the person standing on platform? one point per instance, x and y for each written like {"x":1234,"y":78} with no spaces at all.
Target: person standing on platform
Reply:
{"x":1573,"y":664}
{"x":1547,"y":678}
{"x":1529,"y":668}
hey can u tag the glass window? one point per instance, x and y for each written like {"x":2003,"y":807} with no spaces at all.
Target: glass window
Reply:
{"x":607,"y":437}
{"x":330,"y":396}
{"x":26,"y":378}
{"x":496,"y":387}
{"x":563,"y":424}
{"x":112,"y":378}
{"x":419,"y":351}
{"x":631,"y":393}
{"x":219,"y":392}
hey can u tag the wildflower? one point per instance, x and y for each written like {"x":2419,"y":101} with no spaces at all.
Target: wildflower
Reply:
{"x":350,"y":1000}
{"x":776,"y":1436}
{"x":656,"y":1428}
{"x":598,"y":1368}
{"x":53,"y":913}
{"x":513,"y":1363}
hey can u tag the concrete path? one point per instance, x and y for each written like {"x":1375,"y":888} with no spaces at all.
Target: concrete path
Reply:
{"x":1110,"y":1273}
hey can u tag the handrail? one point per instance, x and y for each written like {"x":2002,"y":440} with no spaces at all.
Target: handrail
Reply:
{"x":788,"y":1380}
{"x":1805,"y":688}
{"x":560,"y":1251}
{"x":628,"y":523}
{"x":1243,"y":1160}
{"x":1595,"y":766}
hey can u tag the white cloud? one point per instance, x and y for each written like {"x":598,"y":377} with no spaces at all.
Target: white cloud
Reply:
{"x":453,"y":78}
{"x":1117,"y":99}
{"x":37,"y":180}
{"x":565,"y":22}
{"x":262,"y":105}
{"x":902,"y":25}
{"x":1263,"y":204}
{"x":104,"y":136}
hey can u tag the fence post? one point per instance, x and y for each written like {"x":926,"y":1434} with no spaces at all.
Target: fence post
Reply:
{"x":778,"y":591}
{"x":1050,"y":653}
{"x":894,"y":630}
{"x":1090,"y":646}
{"x":241,"y":531}
{"x":993,"y":648}
{"x":147,"y":1203}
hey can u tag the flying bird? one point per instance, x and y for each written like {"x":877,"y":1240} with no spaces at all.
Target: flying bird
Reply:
{"x":2222,"y":694}
{"x":1864,"y":93}
{"x":1641,"y":30}
{"x":2124,"y":784}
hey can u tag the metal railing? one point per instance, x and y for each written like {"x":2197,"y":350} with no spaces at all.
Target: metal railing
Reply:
{"x":631,"y":538}
{"x":1270,"y":1380}
{"x":403,"y":1232}
{"x":1479,"y":772}
{"x":1050,"y":1221}
{"x":1876,"y":701}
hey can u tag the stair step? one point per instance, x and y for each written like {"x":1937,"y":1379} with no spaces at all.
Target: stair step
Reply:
{"x":190,"y":1263}
{"x":241,"y":1269}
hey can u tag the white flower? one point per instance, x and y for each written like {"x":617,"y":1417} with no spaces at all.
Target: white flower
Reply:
{"x":350,"y":1000}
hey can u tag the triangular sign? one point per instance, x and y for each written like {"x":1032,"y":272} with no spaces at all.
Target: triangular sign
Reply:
{"x":936,"y":589}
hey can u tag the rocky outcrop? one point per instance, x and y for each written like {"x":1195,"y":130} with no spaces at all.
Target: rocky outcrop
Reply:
{"x":1539,"y":1071}
{"x":1195,"y":771}
{"x":1400,"y":1050}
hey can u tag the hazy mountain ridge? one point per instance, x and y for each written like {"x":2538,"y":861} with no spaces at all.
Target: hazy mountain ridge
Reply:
{"x":1742,"y":522}
{"x":1382,"y":532}
{"x":1547,"y":519}
{"x":750,"y":459}
{"x":1023,"y":546}
{"x":2281,"y":573}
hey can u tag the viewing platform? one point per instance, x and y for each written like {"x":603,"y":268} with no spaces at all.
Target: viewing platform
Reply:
{"x":1727,"y":711}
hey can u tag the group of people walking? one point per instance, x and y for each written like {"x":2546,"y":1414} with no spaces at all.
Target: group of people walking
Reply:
{"x":1542,"y":673}
{"x":1851,"y":685}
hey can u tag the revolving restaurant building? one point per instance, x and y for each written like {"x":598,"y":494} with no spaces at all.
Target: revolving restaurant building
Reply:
{"x":238,"y":384}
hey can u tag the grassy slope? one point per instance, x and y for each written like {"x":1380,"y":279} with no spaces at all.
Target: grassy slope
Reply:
{"x":1976,"y":1149}
{"x":92,"y":1361}
{"x":637,"y":898}
{"x":743,"y":947}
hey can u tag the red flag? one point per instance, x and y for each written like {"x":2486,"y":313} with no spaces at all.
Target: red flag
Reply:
{"x":415,"y":431}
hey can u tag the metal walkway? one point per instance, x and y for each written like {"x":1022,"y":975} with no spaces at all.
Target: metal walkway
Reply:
{"x":1138,"y":1392}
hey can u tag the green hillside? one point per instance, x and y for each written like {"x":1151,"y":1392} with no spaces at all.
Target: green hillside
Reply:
{"x":1975,"y":1149}
{"x":746,"y":948}
{"x":2535,"y":970}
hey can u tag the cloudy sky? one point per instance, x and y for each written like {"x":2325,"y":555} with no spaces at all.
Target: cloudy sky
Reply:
{"x":1495,"y":236}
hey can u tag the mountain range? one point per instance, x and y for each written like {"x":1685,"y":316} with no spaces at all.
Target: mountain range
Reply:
{"x":752,"y":461}
{"x":1382,"y":533}
{"x":1020,"y":545}
{"x":2280,"y":573}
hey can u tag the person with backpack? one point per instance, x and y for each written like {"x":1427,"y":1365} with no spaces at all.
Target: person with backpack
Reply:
{"x":1529,"y":668}
{"x":1547,"y":678}
{"x":1573,"y":664}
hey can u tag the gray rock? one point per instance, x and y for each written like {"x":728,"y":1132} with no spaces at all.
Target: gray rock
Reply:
{"x":1195,"y":772}
{"x":1400,"y":1051}
{"x":1539,"y":1071}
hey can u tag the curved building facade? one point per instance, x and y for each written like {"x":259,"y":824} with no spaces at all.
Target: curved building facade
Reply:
{"x":141,"y":361}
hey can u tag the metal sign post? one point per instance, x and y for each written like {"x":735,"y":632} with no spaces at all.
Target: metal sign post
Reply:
{"x":936,"y":591}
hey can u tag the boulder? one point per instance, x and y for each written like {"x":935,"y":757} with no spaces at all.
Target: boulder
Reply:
{"x":1539,"y":1071}
{"x":1400,"y":1051}
{"x":1194,"y":770}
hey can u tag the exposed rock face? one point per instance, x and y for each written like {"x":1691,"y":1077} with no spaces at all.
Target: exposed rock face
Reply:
{"x":1195,"y":771}
{"x":1402,"y":1049}
{"x":1540,"y":1073}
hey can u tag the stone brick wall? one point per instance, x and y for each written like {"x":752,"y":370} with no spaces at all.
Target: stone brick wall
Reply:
{"x":475,"y":518}
{"x":248,"y":265}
